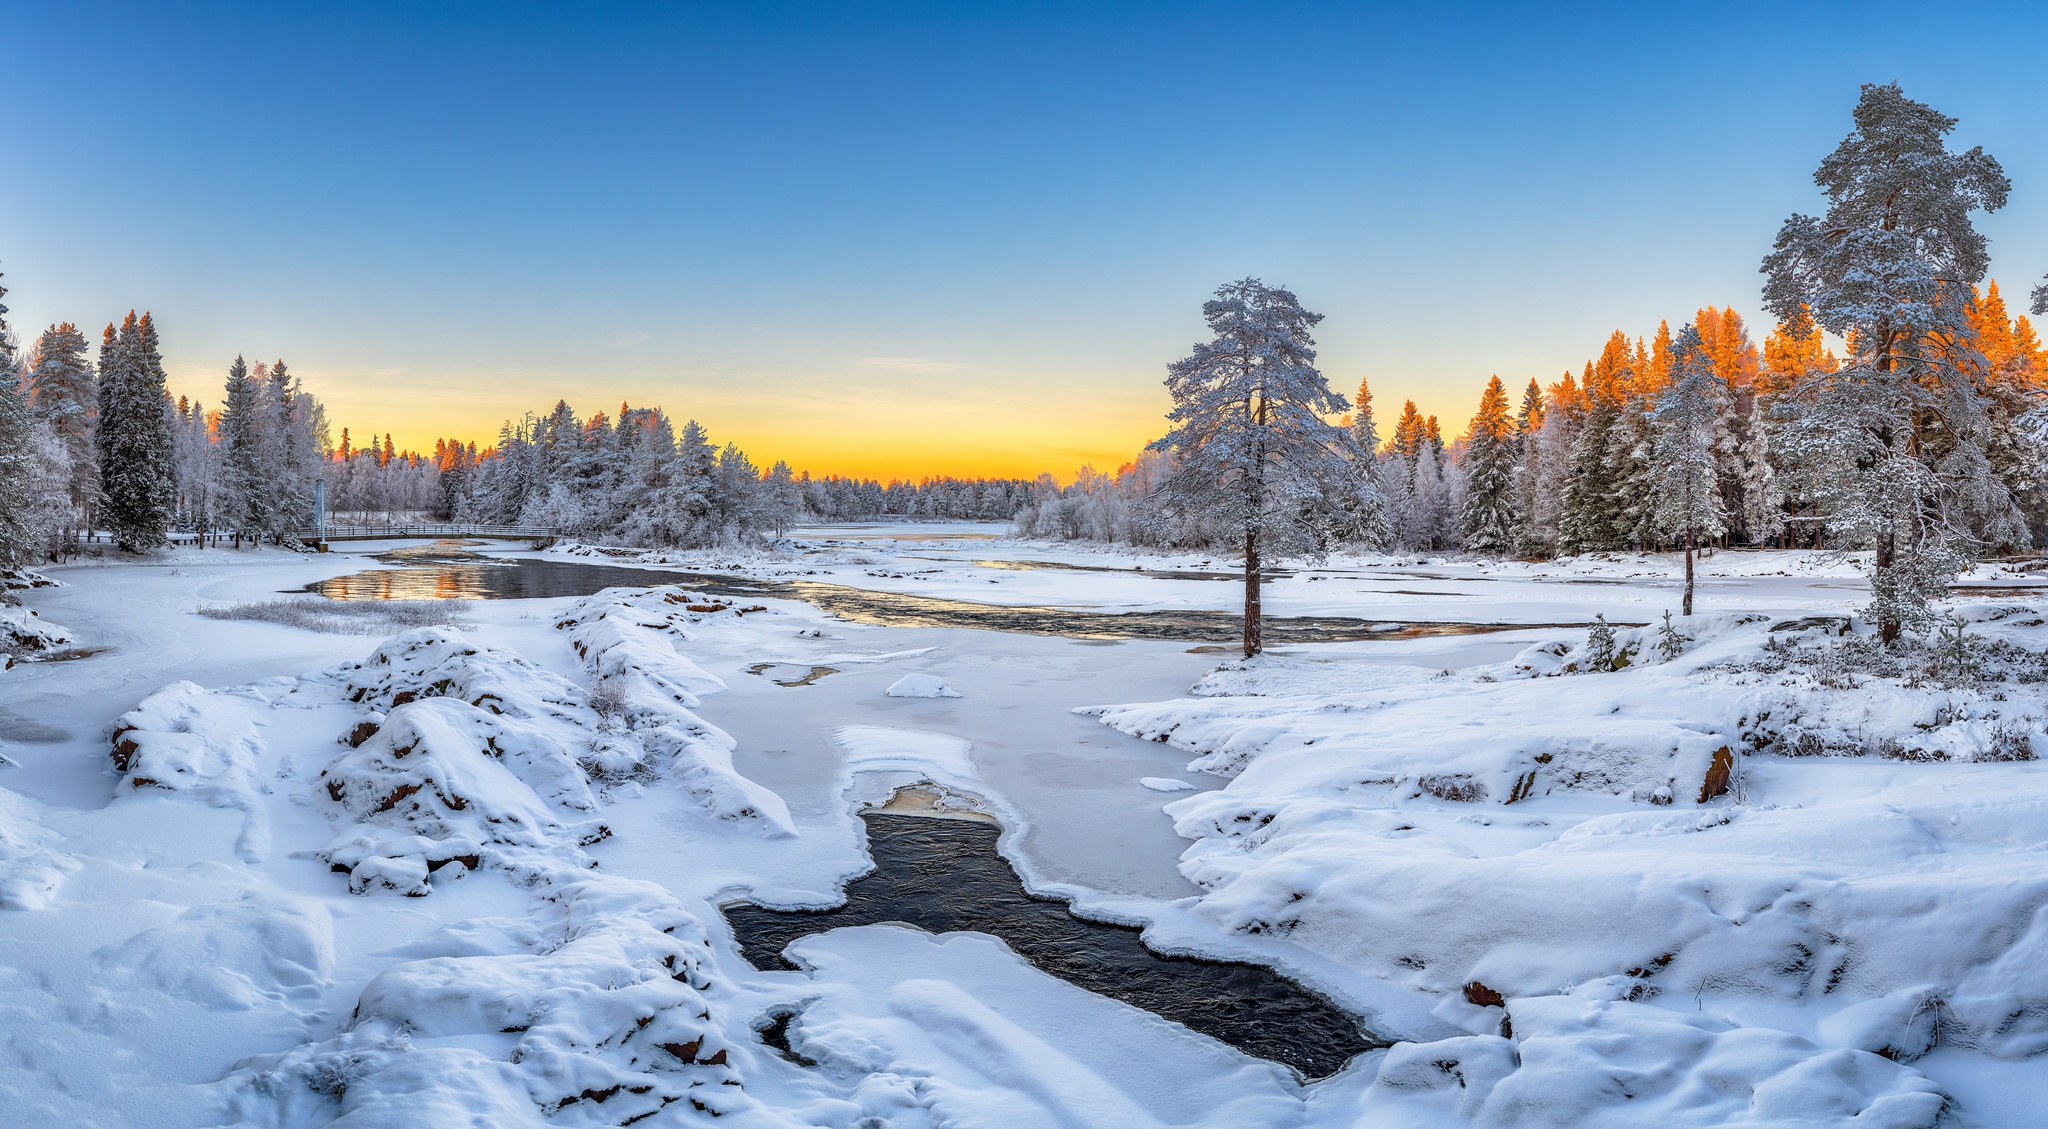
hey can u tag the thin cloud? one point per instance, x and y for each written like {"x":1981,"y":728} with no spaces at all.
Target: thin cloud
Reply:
{"x":909,"y":364}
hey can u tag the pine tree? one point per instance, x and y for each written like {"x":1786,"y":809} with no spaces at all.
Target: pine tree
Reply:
{"x":1363,"y":519}
{"x":1528,"y":468}
{"x":1490,"y":516}
{"x":781,"y":502}
{"x":1631,"y":474}
{"x":245,"y":501}
{"x":1563,"y":418}
{"x":1897,"y":435}
{"x":60,"y":388}
{"x":1585,"y":522}
{"x":1251,"y":442}
{"x":134,"y":436}
{"x":20,"y":469}
{"x":1687,"y":477}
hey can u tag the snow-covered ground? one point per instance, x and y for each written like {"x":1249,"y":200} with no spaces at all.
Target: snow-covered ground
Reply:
{"x":468,"y":872}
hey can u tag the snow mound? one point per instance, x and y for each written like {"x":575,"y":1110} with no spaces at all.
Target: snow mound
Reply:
{"x":23,"y":632}
{"x":442,"y":780}
{"x":921,"y":686}
{"x":607,"y":1016}
{"x":1596,"y":1062}
{"x":626,"y":641}
{"x":880,"y":748}
{"x":647,"y":686}
{"x":186,"y":739}
{"x":432,"y":663}
{"x":236,"y":956}
{"x":1166,"y":784}
{"x":31,"y":865}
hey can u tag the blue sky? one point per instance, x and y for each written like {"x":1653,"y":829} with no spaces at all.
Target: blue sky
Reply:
{"x":902,"y":239}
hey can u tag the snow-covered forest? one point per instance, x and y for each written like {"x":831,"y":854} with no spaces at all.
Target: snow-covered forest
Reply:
{"x":104,"y":447}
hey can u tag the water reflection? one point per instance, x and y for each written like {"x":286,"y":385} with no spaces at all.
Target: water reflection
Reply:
{"x":464,"y":576}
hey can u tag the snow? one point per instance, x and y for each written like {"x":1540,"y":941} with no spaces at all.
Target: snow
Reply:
{"x":473,"y":874}
{"x":921,"y":686}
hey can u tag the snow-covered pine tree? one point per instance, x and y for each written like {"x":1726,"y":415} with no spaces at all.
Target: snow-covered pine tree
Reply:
{"x":1251,"y":439}
{"x":1365,"y":521}
{"x":1632,"y":506}
{"x":290,"y":455}
{"x":1583,"y":520}
{"x":20,"y":464}
{"x":781,"y":503}
{"x":134,"y":436}
{"x":1490,"y":517}
{"x":735,"y":496}
{"x":60,"y":388}
{"x":245,"y":502}
{"x":1564,"y":417}
{"x":1897,"y":435}
{"x":1687,"y":479}
{"x":1401,"y":475}
{"x":1528,"y":431}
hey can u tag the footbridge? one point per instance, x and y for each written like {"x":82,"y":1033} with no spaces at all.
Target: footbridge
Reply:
{"x":433,"y":529}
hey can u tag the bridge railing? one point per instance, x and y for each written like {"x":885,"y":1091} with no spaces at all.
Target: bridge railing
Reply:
{"x":376,"y":532}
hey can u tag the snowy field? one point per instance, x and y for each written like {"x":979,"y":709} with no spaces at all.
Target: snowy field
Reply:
{"x":461,"y":865}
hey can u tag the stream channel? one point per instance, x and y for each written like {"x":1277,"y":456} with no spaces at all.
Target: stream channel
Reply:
{"x":447,"y":572}
{"x":943,"y":875}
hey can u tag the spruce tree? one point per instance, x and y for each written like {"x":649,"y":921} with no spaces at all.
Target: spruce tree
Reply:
{"x":1490,"y":517}
{"x":1897,"y":436}
{"x":1687,"y":477}
{"x":1363,"y":518}
{"x":134,"y":436}
{"x":245,"y":501}
{"x":19,"y":469}
{"x":60,"y":388}
{"x":1528,"y":433}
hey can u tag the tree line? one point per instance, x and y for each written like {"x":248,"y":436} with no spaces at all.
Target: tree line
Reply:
{"x":1925,"y":442}
{"x":99,"y":446}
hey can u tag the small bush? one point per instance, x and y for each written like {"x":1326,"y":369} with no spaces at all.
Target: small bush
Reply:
{"x":1458,"y":787}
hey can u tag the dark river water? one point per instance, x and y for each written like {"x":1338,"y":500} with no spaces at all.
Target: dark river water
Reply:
{"x":448,"y":573}
{"x":945,"y":876}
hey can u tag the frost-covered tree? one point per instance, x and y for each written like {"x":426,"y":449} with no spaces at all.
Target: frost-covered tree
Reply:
{"x":1548,"y":466}
{"x":1687,"y":477}
{"x":1895,"y":438}
{"x":28,"y":482}
{"x":245,"y":499}
{"x":134,"y":436}
{"x":60,"y":388}
{"x":1364,"y":520}
{"x":1490,"y":516}
{"x":781,"y":501}
{"x":1253,"y":446}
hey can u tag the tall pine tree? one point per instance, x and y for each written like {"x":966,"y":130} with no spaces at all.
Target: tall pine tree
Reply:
{"x":134,"y":436}
{"x":1490,"y":516}
{"x":1687,"y":476}
{"x":1251,"y":441}
{"x":1898,"y":435}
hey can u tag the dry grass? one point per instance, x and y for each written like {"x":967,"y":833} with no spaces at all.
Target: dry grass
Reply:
{"x":345,"y":617}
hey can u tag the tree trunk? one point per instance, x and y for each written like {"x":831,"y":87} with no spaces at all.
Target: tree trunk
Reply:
{"x":1253,"y":644}
{"x":1689,"y":545}
{"x":1888,"y":621}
